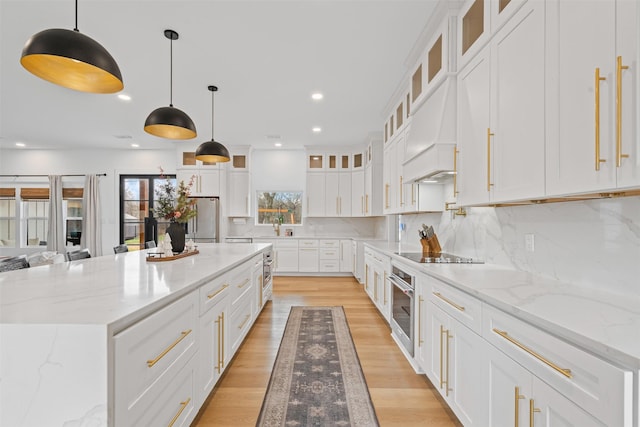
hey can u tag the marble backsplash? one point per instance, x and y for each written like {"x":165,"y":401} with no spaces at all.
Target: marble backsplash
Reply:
{"x":370,"y":228}
{"x":592,"y":243}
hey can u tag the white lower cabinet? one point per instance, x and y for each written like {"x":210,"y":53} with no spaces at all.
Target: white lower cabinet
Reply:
{"x":377,"y":285}
{"x":346,"y":256}
{"x":308,"y":256}
{"x":154,"y":362}
{"x":286,"y":256}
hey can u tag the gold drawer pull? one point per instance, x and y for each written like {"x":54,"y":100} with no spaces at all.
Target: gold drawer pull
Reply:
{"x":244,"y":322}
{"x":448,"y":301}
{"x":213,"y":295}
{"x":150,"y":363}
{"x":243,"y":284}
{"x":183,"y":406}
{"x":532,"y":411}
{"x":505,"y":335}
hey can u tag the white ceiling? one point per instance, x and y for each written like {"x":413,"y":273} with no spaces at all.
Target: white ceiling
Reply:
{"x":266,"y":57}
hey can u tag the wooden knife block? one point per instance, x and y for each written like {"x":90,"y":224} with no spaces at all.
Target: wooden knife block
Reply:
{"x":431,"y":246}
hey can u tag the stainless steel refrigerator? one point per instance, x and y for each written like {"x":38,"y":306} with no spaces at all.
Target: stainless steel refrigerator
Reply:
{"x":204,"y":227}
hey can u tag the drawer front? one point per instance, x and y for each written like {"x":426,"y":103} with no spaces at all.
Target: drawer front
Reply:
{"x":329,"y":265}
{"x":172,"y":405}
{"x":240,"y":284}
{"x":329,"y":253}
{"x":239,"y":325}
{"x":461,"y":306}
{"x":286,"y":243}
{"x":330,"y":244}
{"x":307,"y":243}
{"x":213,"y":292}
{"x":151,"y":352}
{"x":595,"y":385}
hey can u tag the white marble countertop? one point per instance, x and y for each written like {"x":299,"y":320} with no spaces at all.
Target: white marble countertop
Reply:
{"x":112,"y":290}
{"x":603,"y":323}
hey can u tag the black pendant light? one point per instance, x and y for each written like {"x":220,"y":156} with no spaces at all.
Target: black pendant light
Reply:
{"x":212,"y":151}
{"x":170,"y":122}
{"x":71,"y":59}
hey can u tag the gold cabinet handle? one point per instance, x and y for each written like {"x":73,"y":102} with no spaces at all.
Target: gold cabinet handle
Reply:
{"x":366,"y":276}
{"x":442,"y":381}
{"x":598,"y":79}
{"x":219,"y":323}
{"x":401,"y":192}
{"x":213,"y":295}
{"x":448,"y":301}
{"x":489,"y":135}
{"x":384,"y":288}
{"x":413,"y":195}
{"x":260,"y":291}
{"x":366,"y":203}
{"x":243,"y":284}
{"x":532,"y":410}
{"x":152,"y":362}
{"x":244,"y":322}
{"x":183,"y":406}
{"x":455,"y":170}
{"x":619,"y":68}
{"x":505,"y":335}
{"x":386,"y":196}
{"x":449,"y":336}
{"x":420,"y":301}
{"x":516,"y":407}
{"x":222,"y":353}
{"x":375,"y":286}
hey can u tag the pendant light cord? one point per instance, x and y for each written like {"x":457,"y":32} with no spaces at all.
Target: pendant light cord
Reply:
{"x":170,"y":74}
{"x":76,"y":27}
{"x":212,"y":93}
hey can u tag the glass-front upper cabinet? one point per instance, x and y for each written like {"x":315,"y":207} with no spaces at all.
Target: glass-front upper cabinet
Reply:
{"x":315,"y":161}
{"x":473,"y":29}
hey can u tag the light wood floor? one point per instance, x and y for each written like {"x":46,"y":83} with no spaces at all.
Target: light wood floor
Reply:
{"x":400,"y":396}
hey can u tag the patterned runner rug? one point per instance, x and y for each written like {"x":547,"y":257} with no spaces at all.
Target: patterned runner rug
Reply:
{"x":317,"y":379}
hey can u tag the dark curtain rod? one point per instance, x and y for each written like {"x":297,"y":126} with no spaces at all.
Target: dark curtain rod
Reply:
{"x":38,"y":176}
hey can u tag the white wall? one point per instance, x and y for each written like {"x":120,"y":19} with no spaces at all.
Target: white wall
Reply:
{"x":112,"y":162}
{"x":592,"y":243}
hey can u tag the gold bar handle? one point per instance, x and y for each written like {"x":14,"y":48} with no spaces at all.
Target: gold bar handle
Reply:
{"x":386,"y":196}
{"x":448,"y":301}
{"x":420,"y":340}
{"x":244,"y":322}
{"x":366,"y":203}
{"x":222,"y":353}
{"x":489,"y":135}
{"x":619,"y":68}
{"x":516,"y":408}
{"x":366,"y":276}
{"x":261,"y":291}
{"x":243,"y":284}
{"x":183,"y":406}
{"x":532,"y":410}
{"x":384,"y":288}
{"x":442,"y":381}
{"x":213,"y":295}
{"x":413,"y":195}
{"x":455,"y":170}
{"x":152,"y":362}
{"x":375,"y":286}
{"x":217,"y":322}
{"x":401,"y":192}
{"x":449,"y":336}
{"x":505,"y":335}
{"x":598,"y":79}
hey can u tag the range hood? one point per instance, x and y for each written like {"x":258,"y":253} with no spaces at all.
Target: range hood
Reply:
{"x":431,"y":137}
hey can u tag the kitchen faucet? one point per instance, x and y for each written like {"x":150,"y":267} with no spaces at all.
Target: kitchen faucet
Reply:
{"x":276,"y":226}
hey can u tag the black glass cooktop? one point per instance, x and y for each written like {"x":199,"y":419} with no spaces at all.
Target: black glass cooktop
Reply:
{"x":442,"y":258}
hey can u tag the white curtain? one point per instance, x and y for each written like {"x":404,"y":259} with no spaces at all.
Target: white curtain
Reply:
{"x":91,"y":237}
{"x":55,"y":236}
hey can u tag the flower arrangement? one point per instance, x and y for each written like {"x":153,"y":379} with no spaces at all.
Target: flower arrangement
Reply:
{"x":174,"y":204}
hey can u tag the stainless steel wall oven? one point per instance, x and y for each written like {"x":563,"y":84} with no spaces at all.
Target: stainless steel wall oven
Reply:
{"x":402,"y":306}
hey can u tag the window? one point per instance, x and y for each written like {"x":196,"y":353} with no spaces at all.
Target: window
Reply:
{"x":7,"y":217}
{"x":137,"y":194}
{"x":284,"y":207}
{"x":37,"y":219}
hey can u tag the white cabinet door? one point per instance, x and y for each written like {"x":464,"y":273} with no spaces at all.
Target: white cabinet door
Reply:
{"x":437,"y":325}
{"x":501,"y":128}
{"x":239,"y":197}
{"x":332,"y":200}
{"x":308,"y":260}
{"x":517,"y":122}
{"x":582,"y":113}
{"x":346,"y":256}
{"x":315,"y":194}
{"x":548,"y":408}
{"x":509,"y":390}
{"x":357,"y":193}
{"x":286,"y":260}
{"x":213,"y":344}
{"x":421,"y":347}
{"x":344,"y":194}
{"x":473,"y":129}
{"x":206,"y":183}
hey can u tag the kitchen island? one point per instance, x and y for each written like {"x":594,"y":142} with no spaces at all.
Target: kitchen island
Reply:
{"x":68,"y":332}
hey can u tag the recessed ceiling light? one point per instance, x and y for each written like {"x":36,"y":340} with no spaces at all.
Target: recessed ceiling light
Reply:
{"x":278,"y":144}
{"x":20,"y":144}
{"x":124,"y":97}
{"x":317,"y":96}
{"x":135,"y":145}
{"x":317,"y":129}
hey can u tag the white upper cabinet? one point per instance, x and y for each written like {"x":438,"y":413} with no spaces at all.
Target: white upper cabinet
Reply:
{"x":315,"y":194}
{"x":357,"y":194}
{"x":592,"y":140}
{"x":501,"y":133}
{"x":239,"y":194}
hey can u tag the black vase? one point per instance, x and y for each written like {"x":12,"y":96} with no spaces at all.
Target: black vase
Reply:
{"x":177,"y":232}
